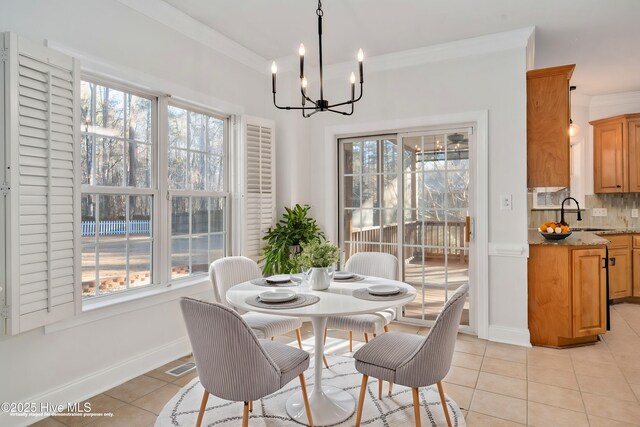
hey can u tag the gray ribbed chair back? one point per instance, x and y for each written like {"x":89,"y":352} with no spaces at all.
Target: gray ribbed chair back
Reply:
{"x":376,"y":264}
{"x":230,"y":361}
{"x":227,"y":272}
{"x":431,"y":362}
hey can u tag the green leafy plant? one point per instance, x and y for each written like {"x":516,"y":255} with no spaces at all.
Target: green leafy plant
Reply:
{"x":317,"y":254}
{"x":294,"y":229}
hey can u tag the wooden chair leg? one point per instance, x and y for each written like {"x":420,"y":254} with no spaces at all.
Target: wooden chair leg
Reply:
{"x":444,"y":403}
{"x":245,"y":415}
{"x":390,"y":388}
{"x":366,"y":338}
{"x":375,"y":335}
{"x":416,"y":407}
{"x":325,"y":335}
{"x":351,"y":341}
{"x":380,"y":382}
{"x":363,"y":390}
{"x":272,"y":338}
{"x":299,"y":337}
{"x":251,"y":406}
{"x":307,"y":408}
{"x":386,"y":328}
{"x":203,"y":406}
{"x":324,"y":359}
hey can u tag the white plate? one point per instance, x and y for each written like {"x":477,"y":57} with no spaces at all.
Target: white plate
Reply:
{"x":277,"y":296}
{"x":383,"y":289}
{"x":279,"y":278}
{"x":343,"y":275}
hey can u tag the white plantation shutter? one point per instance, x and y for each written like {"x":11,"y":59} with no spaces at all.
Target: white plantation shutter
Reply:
{"x":42,"y":209}
{"x":260,"y":190}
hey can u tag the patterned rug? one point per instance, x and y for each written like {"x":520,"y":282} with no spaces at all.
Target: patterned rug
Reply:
{"x":397,"y":410}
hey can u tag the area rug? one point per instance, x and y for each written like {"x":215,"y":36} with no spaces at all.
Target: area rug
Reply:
{"x":397,"y":410}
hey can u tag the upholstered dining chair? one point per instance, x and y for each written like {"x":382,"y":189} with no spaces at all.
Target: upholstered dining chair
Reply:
{"x":413,"y":360}
{"x":232,"y":363}
{"x":230,"y":271}
{"x":376,"y":264}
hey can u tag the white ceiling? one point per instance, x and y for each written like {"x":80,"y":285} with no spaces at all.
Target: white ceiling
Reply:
{"x":601,"y":36}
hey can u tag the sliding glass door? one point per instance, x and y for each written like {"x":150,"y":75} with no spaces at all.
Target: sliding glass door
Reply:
{"x":408,"y":194}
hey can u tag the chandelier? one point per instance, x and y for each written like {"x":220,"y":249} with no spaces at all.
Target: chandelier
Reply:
{"x":320,"y":104}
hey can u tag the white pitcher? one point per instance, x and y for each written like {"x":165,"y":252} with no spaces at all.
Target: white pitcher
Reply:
{"x":320,"y":278}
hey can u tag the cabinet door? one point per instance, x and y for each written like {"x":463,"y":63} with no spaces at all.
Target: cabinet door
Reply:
{"x":589,"y":287}
{"x":633,"y":136}
{"x":619,"y":273}
{"x":636,"y":273}
{"x":609,"y":163}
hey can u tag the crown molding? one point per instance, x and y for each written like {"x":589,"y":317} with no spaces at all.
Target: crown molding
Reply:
{"x":184,"y":24}
{"x":615,"y":99}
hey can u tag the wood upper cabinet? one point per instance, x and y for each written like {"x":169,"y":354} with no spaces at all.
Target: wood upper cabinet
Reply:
{"x":548,"y":115}
{"x":588,"y":283}
{"x":616,"y":154}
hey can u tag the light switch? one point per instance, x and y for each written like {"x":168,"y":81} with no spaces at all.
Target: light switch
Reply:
{"x":505,"y":202}
{"x":634,"y":213}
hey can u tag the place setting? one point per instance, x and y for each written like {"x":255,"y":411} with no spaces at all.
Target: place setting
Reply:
{"x":277,"y":280}
{"x":347,"y":276}
{"x":380,"y":292}
{"x":281,"y":299}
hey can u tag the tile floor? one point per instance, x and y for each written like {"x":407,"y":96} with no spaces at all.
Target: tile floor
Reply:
{"x":494,"y":384}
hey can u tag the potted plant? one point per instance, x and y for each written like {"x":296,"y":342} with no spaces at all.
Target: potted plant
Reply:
{"x":319,"y":257}
{"x":284,"y":240}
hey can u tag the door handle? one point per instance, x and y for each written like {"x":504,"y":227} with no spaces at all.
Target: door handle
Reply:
{"x":612,"y":261}
{"x":467,"y":228}
{"x":604,"y":263}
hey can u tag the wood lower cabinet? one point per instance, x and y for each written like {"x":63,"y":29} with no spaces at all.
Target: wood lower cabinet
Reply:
{"x":567,"y":294}
{"x":636,"y":273}
{"x":620,"y":263}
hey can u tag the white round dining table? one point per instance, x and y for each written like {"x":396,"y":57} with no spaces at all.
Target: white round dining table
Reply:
{"x":329,"y":405}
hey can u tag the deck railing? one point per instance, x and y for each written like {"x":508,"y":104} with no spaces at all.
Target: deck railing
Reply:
{"x":115,"y":228}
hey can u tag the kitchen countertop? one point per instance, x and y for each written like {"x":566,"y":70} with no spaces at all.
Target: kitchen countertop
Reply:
{"x":577,"y":238}
{"x":618,"y":230}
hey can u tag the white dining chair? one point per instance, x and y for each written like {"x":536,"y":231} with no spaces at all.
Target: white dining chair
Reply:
{"x":243,"y":368}
{"x":230,"y":271}
{"x":413,"y":360}
{"x":376,"y":264}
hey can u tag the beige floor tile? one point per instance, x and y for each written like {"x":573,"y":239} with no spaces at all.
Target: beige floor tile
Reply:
{"x":555,"y":396}
{"x":404,"y":327}
{"x":511,"y":353}
{"x":100,"y":404}
{"x":636,"y":390}
{"x":135,"y":388}
{"x":155,"y":401}
{"x":504,"y":367}
{"x":48,"y":422}
{"x":614,"y":387}
{"x":500,"y":406}
{"x":467,"y":360}
{"x":473,"y":347}
{"x":185,"y":379}
{"x":541,"y":415}
{"x":596,"y":369}
{"x":424,"y":331}
{"x":127,"y":416}
{"x":536,"y":349}
{"x":632,"y":374}
{"x":608,"y":407}
{"x":606,"y":422}
{"x":548,"y":360}
{"x":470,"y":337}
{"x":626,"y":360}
{"x":462,"y":376}
{"x":599,"y":352}
{"x":500,"y":384}
{"x":161,"y":372}
{"x":476,"y":419}
{"x":460,"y":394}
{"x":557,"y":377}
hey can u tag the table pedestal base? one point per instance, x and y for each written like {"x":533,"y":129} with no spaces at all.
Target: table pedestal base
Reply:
{"x":328,"y":407}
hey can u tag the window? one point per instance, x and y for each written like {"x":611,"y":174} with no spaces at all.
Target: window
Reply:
{"x":197,"y":189}
{"x":118,"y":145}
{"x":126,"y":156}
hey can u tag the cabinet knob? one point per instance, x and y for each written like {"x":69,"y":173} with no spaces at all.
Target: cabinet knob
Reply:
{"x":612,"y":261}
{"x":619,"y":186}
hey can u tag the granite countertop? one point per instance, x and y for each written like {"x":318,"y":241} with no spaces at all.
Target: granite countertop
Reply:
{"x":614,"y":230}
{"x":577,"y":238}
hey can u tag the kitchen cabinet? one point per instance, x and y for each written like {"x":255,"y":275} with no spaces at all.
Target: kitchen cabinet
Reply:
{"x":636,"y":266}
{"x":616,"y":154}
{"x":567,"y":294}
{"x":620,"y":266}
{"x":548,"y":115}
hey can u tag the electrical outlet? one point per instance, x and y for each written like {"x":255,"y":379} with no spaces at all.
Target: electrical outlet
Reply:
{"x":599,"y":212}
{"x":505,"y":202}
{"x":634,"y":213}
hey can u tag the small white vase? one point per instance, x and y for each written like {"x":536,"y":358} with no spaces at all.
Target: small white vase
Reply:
{"x":320,"y":278}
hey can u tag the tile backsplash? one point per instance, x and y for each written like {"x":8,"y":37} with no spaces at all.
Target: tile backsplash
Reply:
{"x":618,"y":212}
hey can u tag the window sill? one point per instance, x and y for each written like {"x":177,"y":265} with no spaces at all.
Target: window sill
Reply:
{"x":113,"y":306}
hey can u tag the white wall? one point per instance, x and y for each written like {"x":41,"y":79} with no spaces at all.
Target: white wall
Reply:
{"x":83,"y":360}
{"x":494,"y":82}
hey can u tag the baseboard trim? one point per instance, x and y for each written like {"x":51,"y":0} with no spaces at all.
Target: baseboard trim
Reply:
{"x":100,"y":381}
{"x":507,"y":335}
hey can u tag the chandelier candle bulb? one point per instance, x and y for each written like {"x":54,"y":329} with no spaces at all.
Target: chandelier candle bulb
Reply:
{"x":352,"y":79}
{"x":301,"y":52}
{"x":360,"y":60}
{"x":274,"y":70}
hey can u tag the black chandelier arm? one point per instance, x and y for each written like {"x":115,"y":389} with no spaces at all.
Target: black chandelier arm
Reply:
{"x":304,"y":95}
{"x":344,"y":113}
{"x":290,"y":108}
{"x":306,"y":116}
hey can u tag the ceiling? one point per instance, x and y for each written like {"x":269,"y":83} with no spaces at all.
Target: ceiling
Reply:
{"x":602,"y":37}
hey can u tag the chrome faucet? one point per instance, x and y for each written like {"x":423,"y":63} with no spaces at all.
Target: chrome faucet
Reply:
{"x":562,"y":210}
